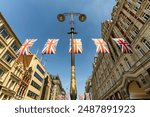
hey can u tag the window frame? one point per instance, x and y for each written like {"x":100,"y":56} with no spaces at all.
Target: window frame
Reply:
{"x":2,"y":72}
{"x":148,"y":7}
{"x":38,"y":77}
{"x":32,"y":95}
{"x":3,"y":29}
{"x":127,"y":62}
{"x":13,"y":45}
{"x":6,"y":57}
{"x":145,"y":18}
{"x":140,"y":1}
{"x":40,"y":69}
{"x":140,"y":50}
{"x":35,"y":85}
{"x":146,"y":43}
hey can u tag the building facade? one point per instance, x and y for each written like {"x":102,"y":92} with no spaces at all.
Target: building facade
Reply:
{"x":24,"y":83}
{"x":88,"y":89}
{"x":124,"y":76}
{"x":47,"y":88}
{"x":32,"y":84}
{"x":58,"y":93}
{"x":11,"y":71}
{"x":37,"y":83}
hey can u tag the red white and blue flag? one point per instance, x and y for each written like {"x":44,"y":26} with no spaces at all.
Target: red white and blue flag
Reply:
{"x":24,"y":49}
{"x":50,"y":46}
{"x":101,"y":46}
{"x":77,"y":46}
{"x":123,"y":44}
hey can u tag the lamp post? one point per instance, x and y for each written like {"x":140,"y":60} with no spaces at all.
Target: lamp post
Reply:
{"x":82,"y":18}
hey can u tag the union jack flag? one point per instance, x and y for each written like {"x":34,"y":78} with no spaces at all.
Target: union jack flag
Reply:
{"x":124,"y":45}
{"x":24,"y":49}
{"x":101,"y":46}
{"x":77,"y":46}
{"x":50,"y":46}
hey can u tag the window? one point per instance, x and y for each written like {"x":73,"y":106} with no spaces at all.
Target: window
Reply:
{"x":11,"y":85}
{"x":35,"y":85}
{"x":148,"y":7}
{"x":140,"y":1}
{"x":122,"y":68}
{"x":146,"y":43}
{"x":40,"y":69}
{"x":8,"y":58}
{"x":127,"y":62}
{"x":136,"y":8}
{"x":145,"y":16}
{"x":132,"y":36}
{"x":140,"y":50}
{"x":128,"y":22}
{"x":129,"y":4}
{"x":15,"y":47}
{"x":134,"y":32}
{"x":4,"y":33}
{"x":38,"y":77}
{"x":32,"y":95}
{"x":1,"y":72}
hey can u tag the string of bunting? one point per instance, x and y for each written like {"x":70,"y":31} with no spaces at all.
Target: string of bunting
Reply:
{"x":51,"y":44}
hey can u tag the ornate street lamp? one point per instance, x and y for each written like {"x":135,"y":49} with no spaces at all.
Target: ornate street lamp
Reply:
{"x":82,"y":18}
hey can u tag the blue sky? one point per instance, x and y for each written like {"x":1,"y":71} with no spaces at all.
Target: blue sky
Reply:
{"x":37,"y":19}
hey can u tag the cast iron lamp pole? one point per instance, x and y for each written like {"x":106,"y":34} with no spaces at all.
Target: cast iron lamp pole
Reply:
{"x":82,"y":18}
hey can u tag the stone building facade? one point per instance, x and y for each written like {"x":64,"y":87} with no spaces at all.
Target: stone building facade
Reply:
{"x":32,"y":84}
{"x":11,"y":71}
{"x":58,"y":92}
{"x":124,"y":76}
{"x":88,"y":89}
{"x":47,"y":88}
